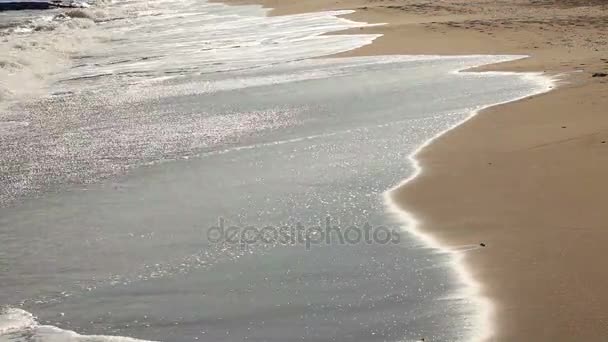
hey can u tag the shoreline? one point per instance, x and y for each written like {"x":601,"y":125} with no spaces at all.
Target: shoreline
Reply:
{"x":473,"y":287}
{"x":504,"y":178}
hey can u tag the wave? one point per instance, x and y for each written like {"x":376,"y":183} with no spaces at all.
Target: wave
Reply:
{"x":129,"y":42}
{"x":17,"y":325}
{"x":35,"y":48}
{"x":125,"y":58}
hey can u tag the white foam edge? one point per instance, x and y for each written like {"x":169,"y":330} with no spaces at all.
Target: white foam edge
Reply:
{"x":338,"y":14}
{"x":19,"y":321}
{"x":341,"y":13}
{"x":484,"y":321}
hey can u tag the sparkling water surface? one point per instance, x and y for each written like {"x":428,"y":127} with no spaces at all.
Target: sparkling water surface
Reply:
{"x":185,"y":113}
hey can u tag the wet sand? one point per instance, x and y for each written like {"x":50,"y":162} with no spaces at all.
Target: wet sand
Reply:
{"x":528,"y":179}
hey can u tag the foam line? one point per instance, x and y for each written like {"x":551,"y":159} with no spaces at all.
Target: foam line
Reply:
{"x":484,"y":322}
{"x":17,"y":325}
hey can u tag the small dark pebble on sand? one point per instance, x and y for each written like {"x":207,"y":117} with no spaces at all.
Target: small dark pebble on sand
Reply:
{"x":482,"y":244}
{"x":599,"y":74}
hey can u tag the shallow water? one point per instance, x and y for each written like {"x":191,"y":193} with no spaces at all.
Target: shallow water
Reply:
{"x":193,"y":113}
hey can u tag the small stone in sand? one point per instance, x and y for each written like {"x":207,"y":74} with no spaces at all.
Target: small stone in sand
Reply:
{"x":599,"y":74}
{"x":482,"y":244}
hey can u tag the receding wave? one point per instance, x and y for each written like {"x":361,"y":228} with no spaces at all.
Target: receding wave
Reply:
{"x":59,"y":69}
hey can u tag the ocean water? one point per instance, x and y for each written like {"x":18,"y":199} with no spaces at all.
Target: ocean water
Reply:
{"x":137,"y":165}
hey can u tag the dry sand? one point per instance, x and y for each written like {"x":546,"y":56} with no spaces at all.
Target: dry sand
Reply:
{"x":529,"y":178}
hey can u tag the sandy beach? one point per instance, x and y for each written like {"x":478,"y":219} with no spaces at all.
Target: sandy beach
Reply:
{"x":527,"y":178}
{"x":153,"y":151}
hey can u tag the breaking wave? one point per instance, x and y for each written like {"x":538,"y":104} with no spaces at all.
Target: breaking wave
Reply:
{"x":18,"y":325}
{"x":35,"y":48}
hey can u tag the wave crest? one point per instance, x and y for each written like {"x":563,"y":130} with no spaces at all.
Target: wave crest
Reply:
{"x":33,"y":51}
{"x":18,"y":325}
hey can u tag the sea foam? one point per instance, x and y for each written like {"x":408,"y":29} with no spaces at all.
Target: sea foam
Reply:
{"x":17,"y":325}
